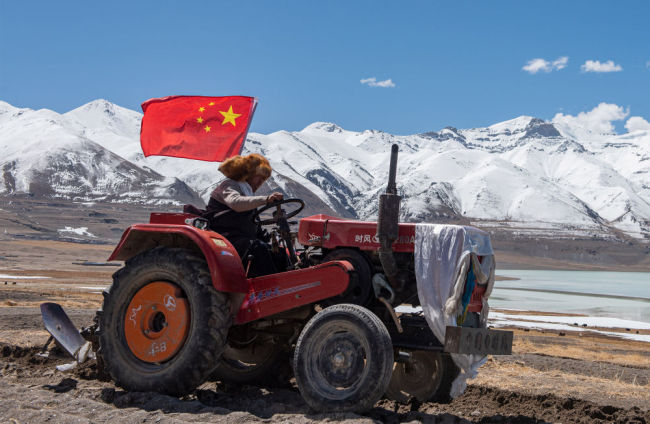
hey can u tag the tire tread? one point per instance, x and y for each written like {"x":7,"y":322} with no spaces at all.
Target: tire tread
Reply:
{"x":190,"y":367}
{"x":380,"y":344}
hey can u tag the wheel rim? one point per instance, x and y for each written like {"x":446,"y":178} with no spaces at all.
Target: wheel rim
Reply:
{"x":419,"y":378}
{"x":157,"y":321}
{"x":339,"y":361}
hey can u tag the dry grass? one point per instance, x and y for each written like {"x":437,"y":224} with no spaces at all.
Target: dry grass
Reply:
{"x":537,"y":313}
{"x":519,"y":378}
{"x":583,"y":346}
{"x":24,"y":338}
{"x":58,"y":246}
{"x":630,"y":261}
{"x":72,"y":298}
{"x":65,"y":304}
{"x":52,"y":258}
{"x":589,"y":349}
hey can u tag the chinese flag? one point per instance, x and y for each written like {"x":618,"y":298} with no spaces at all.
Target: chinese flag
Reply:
{"x":196,"y":127}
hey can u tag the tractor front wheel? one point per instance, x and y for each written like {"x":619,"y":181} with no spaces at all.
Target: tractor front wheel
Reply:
{"x":343,"y":359}
{"x":163,"y":326}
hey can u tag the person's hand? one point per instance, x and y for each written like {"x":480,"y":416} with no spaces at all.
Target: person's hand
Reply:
{"x":276,"y":196}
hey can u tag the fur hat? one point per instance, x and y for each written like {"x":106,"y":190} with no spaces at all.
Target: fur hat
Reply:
{"x":240,"y":168}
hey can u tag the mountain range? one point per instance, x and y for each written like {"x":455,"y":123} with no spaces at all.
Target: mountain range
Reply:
{"x":526,"y":175}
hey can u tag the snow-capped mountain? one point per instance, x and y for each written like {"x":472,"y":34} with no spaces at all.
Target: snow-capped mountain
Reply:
{"x":525,"y":174}
{"x":47,"y":154}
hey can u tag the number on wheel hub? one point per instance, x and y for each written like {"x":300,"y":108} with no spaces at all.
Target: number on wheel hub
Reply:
{"x":157,"y":321}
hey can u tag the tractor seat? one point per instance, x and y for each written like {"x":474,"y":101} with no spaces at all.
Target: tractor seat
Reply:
{"x":193,"y":210}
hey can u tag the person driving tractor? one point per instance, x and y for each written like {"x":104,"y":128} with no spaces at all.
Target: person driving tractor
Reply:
{"x":231,"y":209}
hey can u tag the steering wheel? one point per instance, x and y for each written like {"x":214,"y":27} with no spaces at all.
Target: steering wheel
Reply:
{"x":276,"y":216}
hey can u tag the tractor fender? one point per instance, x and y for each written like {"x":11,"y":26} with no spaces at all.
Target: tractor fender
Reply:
{"x":224,"y":263}
{"x":275,"y":293}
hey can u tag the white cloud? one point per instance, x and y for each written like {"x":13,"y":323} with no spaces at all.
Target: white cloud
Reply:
{"x":598,"y":120}
{"x":535,"y":65}
{"x":647,"y":64}
{"x":636,"y":123}
{"x":596,"y":66}
{"x":372,"y":82}
{"x":538,"y":64}
{"x":560,"y":62}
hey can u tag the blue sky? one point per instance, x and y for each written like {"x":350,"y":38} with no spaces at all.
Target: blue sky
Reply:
{"x":451,"y":63}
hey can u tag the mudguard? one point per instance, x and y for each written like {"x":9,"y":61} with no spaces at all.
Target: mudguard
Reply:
{"x":271,"y":294}
{"x":225,"y":266}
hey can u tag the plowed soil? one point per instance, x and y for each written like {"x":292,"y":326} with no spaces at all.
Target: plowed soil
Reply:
{"x":33,"y":391}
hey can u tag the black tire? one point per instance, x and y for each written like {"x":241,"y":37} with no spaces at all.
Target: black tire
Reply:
{"x":267,"y":365}
{"x":359,"y":289}
{"x":197,"y":354}
{"x":343,"y":359}
{"x":427,"y":377}
{"x":449,"y":373}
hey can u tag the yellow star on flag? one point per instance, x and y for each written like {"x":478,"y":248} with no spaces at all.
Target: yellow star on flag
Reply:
{"x":229,"y":116}
{"x":211,"y":104}
{"x":201,"y":109}
{"x":199,"y":120}
{"x":207,"y":128}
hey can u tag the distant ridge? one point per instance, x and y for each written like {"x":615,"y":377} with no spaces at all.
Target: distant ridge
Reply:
{"x":526,"y":175}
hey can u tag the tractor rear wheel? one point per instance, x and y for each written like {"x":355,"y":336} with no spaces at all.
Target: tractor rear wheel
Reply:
{"x":163,"y":326}
{"x":359,"y":289}
{"x":262,"y":364}
{"x":343,"y":359}
{"x":449,"y":373}
{"x":426,"y":376}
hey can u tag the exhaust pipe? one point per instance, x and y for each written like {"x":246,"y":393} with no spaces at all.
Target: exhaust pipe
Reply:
{"x":388,"y":222}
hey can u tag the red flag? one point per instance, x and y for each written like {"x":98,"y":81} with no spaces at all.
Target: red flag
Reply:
{"x":196,"y":127}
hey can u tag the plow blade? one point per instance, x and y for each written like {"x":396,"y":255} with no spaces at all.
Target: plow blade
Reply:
{"x":58,"y":324}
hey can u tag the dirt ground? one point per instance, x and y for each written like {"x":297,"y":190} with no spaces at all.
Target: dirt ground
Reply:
{"x":549,"y":378}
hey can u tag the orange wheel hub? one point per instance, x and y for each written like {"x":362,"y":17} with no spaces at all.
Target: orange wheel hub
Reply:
{"x":157,"y":321}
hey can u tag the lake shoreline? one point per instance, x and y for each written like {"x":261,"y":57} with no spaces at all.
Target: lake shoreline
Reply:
{"x":543,"y":264}
{"x":602,"y":294}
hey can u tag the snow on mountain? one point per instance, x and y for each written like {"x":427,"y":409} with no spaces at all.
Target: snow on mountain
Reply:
{"x":111,"y":126}
{"x":521,"y":172}
{"x":47,"y":154}
{"x":7,"y":111}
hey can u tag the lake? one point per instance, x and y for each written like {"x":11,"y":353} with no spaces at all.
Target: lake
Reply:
{"x":595,"y":293}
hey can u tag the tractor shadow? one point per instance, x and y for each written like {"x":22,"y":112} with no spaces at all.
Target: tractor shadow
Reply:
{"x":286,"y":405}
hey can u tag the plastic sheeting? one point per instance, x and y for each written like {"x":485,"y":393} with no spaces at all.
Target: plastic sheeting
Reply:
{"x":443,"y":255}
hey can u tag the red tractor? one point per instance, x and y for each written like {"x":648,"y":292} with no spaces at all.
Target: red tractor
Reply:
{"x":182,"y":311}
